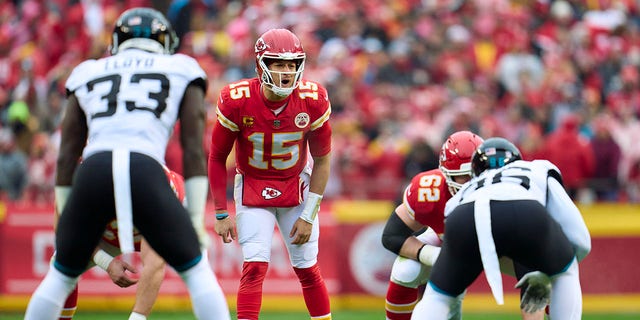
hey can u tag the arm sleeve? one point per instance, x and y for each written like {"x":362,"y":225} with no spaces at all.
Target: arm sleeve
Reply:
{"x":222,"y":141}
{"x":395,"y":233}
{"x":565,"y":212}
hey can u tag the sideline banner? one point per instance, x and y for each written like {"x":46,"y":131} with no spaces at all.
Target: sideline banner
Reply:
{"x":27,"y":244}
{"x":352,"y":259}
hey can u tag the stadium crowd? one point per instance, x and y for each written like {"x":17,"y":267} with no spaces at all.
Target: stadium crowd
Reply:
{"x":560,"y":78}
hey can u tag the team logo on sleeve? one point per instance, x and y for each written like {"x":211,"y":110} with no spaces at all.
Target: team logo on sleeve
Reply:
{"x":302,"y":120}
{"x":269,"y":193}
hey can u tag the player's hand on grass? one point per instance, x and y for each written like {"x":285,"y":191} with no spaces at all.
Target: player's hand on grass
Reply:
{"x":301,"y":232}
{"x":537,"y":291}
{"x":226,"y":228}
{"x":117,"y":271}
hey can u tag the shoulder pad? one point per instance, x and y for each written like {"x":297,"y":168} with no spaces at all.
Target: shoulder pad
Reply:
{"x":552,"y":170}
{"x":78,"y":75}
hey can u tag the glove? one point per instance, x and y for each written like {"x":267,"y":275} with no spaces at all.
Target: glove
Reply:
{"x":537,"y":291}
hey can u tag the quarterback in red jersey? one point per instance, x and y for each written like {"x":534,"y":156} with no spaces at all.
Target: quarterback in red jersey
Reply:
{"x":275,"y":121}
{"x":423,"y":206}
{"x":153,"y":265}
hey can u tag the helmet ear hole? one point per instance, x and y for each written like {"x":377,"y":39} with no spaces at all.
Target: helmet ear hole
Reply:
{"x":455,"y":157}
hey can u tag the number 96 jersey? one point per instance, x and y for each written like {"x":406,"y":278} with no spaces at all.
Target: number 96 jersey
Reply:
{"x":132,"y":99}
{"x":425,"y":199}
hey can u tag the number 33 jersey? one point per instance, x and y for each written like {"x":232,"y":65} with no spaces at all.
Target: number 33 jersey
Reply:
{"x":131,"y":100}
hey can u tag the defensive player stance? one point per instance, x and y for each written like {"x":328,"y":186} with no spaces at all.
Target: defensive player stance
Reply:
{"x":120,"y":113}
{"x":517,"y":209}
{"x":423,"y":206}
{"x":275,"y":121}
{"x":153,"y":265}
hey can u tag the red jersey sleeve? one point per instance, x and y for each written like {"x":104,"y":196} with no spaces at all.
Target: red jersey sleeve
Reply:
{"x":426,"y":197}
{"x":223,"y":136}
{"x":320,"y":135}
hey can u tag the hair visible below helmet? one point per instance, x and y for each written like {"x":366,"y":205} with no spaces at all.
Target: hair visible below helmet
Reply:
{"x":494,"y":153}
{"x":455,"y":157}
{"x":279,"y":44}
{"x":146,"y":29}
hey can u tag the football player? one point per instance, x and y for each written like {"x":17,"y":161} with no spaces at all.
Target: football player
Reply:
{"x":275,"y":120}
{"x":423,"y":206}
{"x":517,"y":209}
{"x":120,"y":113}
{"x":153,"y":266}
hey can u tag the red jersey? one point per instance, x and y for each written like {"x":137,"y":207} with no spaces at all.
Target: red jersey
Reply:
{"x":110,"y":234}
{"x":269,"y":145}
{"x":425,"y":199}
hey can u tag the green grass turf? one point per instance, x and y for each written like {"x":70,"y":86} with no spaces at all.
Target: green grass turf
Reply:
{"x":338,"y":315}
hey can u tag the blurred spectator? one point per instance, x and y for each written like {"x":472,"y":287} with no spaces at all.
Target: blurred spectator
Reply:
{"x":13,"y":167}
{"x":633,"y":184}
{"x":421,"y":157}
{"x":625,"y":130}
{"x":626,"y":92}
{"x":21,"y":122}
{"x":554,"y":34}
{"x":572,"y":154}
{"x":604,"y":181}
{"x":519,"y":65}
{"x":41,"y":171}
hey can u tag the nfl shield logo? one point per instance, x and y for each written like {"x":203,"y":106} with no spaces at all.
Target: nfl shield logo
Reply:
{"x":276,"y":124}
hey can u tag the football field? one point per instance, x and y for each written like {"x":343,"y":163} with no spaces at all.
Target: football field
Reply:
{"x":339,"y":315}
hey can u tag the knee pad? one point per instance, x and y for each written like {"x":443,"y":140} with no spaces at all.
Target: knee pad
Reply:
{"x":409,"y":273}
{"x":256,"y":252}
{"x":303,"y":256}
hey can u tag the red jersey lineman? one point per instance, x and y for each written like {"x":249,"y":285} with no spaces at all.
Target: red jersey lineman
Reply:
{"x":275,"y":121}
{"x":423,"y":206}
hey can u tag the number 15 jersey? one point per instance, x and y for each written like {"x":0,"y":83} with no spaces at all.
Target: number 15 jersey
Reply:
{"x":131,"y":100}
{"x":273,"y":145}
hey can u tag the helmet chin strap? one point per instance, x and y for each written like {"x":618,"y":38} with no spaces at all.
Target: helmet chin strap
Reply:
{"x":279,"y":91}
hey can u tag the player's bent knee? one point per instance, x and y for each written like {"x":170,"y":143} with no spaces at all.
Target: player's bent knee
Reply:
{"x":303,"y":256}
{"x":409,"y":273}
{"x":255,"y":252}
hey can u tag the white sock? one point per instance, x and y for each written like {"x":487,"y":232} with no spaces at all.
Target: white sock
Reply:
{"x":48,"y":299}
{"x":207,"y":298}
{"x":137,"y":316}
{"x":434,"y":304}
{"x":566,"y":294}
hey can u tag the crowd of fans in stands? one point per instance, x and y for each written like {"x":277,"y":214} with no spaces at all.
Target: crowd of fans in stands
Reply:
{"x":560,"y":78}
